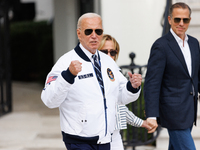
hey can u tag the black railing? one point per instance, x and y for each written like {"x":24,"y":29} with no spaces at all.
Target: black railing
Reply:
{"x":5,"y":69}
{"x":134,"y":136}
{"x":164,"y":22}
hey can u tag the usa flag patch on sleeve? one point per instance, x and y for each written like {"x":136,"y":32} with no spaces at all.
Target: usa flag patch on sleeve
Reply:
{"x":51,"y":78}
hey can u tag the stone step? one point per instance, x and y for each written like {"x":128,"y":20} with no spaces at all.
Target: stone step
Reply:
{"x":162,"y":140}
{"x":196,"y":136}
{"x":198,"y":121}
{"x":142,"y":148}
{"x":198,"y":109}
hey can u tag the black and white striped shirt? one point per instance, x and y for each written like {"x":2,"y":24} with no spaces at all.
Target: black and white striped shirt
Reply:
{"x":124,"y":116}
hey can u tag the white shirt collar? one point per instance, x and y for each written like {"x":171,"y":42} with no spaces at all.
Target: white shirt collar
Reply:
{"x":88,"y":54}
{"x":178,"y":39}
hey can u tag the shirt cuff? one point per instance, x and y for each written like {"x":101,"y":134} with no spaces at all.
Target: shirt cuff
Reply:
{"x":68,"y":76}
{"x":131,"y":89}
{"x":152,"y":118}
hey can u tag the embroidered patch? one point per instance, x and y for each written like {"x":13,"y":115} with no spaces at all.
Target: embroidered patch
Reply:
{"x":110,"y":74}
{"x":85,"y":76}
{"x":51,"y":78}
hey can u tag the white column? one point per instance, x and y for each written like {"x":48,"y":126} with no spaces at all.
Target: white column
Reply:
{"x":64,"y":26}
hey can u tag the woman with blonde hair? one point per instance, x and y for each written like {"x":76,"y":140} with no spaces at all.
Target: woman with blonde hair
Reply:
{"x":109,"y":41}
{"x":111,"y":47}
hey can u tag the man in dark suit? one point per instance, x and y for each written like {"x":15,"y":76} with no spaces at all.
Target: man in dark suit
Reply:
{"x":172,"y":81}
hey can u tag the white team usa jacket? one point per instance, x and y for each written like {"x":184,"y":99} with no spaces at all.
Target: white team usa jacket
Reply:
{"x":85,"y":115}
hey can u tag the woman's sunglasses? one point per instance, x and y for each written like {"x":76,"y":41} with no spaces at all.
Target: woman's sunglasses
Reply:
{"x":185,"y":20}
{"x":112,"y":52}
{"x":97,"y":31}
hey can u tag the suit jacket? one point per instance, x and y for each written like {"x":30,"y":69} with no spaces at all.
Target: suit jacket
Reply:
{"x":168,"y":88}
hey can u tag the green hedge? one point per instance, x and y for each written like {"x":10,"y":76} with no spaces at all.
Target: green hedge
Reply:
{"x":31,"y":50}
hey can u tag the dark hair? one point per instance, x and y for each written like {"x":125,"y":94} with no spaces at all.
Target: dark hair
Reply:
{"x":179,"y":5}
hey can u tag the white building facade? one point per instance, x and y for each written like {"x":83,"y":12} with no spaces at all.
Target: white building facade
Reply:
{"x":135,"y":25}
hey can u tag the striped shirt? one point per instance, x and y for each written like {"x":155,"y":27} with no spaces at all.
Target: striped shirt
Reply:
{"x":124,"y":116}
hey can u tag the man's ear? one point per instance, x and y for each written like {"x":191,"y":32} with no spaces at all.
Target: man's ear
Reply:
{"x":78,"y":33}
{"x":169,"y":20}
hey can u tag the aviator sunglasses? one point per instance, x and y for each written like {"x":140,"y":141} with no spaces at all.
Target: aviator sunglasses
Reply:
{"x":97,"y":31}
{"x":185,"y":20}
{"x":112,"y":52}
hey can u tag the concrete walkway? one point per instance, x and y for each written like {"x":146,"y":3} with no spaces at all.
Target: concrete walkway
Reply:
{"x":31,"y":125}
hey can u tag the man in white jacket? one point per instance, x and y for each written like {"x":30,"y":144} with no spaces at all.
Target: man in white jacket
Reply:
{"x":86,"y":105}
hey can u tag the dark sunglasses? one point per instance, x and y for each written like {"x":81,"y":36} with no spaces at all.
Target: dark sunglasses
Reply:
{"x":97,"y":31}
{"x":185,"y":20}
{"x":112,"y":52}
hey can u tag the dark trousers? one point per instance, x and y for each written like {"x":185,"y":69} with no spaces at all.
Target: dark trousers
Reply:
{"x":181,"y":140}
{"x":87,"y":146}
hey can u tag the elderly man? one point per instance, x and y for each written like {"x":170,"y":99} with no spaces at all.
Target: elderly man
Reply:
{"x":172,"y":81}
{"x":80,"y":85}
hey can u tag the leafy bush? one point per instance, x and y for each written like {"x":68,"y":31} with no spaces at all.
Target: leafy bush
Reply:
{"x":31,"y":50}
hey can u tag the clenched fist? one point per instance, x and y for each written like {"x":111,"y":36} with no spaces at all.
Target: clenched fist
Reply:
{"x":135,"y":79}
{"x":75,"y":67}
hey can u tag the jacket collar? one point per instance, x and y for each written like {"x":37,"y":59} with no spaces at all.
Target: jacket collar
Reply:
{"x":81,"y":54}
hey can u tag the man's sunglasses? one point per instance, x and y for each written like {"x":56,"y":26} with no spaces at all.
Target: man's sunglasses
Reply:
{"x":112,"y":52}
{"x":97,"y":31}
{"x":185,"y":20}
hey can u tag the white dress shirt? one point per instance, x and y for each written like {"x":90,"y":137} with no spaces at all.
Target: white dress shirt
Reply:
{"x":185,"y":49}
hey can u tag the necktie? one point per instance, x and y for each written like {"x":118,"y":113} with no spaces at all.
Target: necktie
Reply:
{"x":98,"y":72}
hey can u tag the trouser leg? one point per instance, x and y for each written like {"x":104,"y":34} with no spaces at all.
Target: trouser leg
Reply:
{"x":181,"y":140}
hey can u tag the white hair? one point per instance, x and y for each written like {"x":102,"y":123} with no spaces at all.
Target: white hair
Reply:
{"x":86,"y":15}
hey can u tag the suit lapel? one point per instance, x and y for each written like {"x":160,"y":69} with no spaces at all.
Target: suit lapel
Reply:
{"x":177,"y":51}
